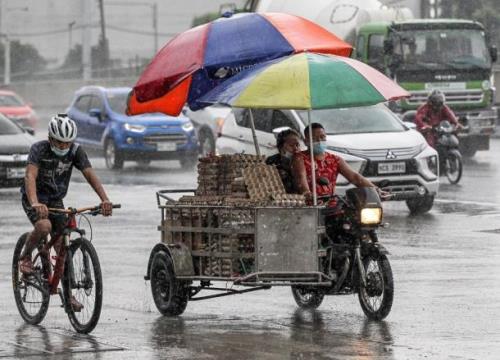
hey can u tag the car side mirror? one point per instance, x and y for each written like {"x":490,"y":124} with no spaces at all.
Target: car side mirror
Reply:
{"x":493,"y":53}
{"x":29,"y":130}
{"x":410,"y":125}
{"x":277,"y":130}
{"x":96,"y":113}
{"x":388,"y":47}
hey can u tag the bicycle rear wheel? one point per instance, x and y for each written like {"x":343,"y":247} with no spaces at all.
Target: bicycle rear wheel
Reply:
{"x":31,"y":292}
{"x":82,"y":284}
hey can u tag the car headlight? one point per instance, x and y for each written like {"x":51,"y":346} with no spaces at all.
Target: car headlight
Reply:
{"x":188,"y":126}
{"x":432,"y":164}
{"x":134,"y":127}
{"x":371,"y":216}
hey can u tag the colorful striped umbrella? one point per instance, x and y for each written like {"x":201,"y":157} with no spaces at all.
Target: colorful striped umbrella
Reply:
{"x":199,"y":59}
{"x":306,"y":81}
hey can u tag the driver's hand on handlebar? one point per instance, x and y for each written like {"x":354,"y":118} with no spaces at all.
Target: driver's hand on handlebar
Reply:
{"x":383,"y":194}
{"x":41,"y":210}
{"x":107,"y":208}
{"x":459,"y":126}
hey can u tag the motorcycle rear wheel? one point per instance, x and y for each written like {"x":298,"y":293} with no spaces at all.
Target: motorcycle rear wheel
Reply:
{"x":377,"y":297}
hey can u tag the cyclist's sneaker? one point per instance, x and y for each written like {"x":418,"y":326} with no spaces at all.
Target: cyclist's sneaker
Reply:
{"x":75,"y":304}
{"x":26,"y":266}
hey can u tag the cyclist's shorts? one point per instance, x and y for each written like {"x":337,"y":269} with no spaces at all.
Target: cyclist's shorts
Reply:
{"x":58,"y":221}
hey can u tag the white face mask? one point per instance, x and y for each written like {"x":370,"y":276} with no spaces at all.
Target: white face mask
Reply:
{"x":58,"y":152}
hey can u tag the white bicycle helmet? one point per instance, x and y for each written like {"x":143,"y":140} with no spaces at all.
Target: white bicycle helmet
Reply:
{"x":62,"y":128}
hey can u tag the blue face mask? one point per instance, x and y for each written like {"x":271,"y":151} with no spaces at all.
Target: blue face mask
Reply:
{"x":58,"y":152}
{"x":319,"y":147}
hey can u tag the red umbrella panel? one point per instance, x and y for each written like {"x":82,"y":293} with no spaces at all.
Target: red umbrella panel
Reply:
{"x":196,"y":61}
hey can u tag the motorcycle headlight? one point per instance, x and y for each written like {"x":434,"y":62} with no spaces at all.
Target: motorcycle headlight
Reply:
{"x":187,"y":126}
{"x":371,"y":216}
{"x":134,"y":127}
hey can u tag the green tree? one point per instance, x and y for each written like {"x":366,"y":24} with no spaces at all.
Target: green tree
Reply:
{"x":24,"y":58}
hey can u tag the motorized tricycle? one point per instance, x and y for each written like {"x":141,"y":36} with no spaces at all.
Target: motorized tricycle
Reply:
{"x":316,"y":250}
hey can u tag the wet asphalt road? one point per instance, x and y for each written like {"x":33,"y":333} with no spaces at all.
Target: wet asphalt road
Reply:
{"x":446,"y":268}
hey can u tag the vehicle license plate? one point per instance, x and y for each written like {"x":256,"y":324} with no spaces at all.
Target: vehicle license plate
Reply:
{"x":166,"y":146}
{"x":391,"y":168}
{"x":15,"y":173}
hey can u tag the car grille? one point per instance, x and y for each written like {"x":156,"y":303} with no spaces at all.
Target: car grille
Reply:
{"x":371,"y":168}
{"x":157,"y":138}
{"x":381,"y":154}
{"x":452,"y":97}
{"x":4,"y":165}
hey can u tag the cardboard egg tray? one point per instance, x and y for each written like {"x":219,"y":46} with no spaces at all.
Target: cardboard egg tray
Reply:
{"x":262,"y":182}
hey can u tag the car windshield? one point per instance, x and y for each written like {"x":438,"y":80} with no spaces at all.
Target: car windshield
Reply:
{"x":10,"y":101}
{"x":117,"y":102}
{"x":452,"y":48}
{"x":7,"y":127}
{"x":372,"y":119}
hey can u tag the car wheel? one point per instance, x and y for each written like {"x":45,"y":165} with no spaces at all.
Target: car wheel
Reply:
{"x":420,"y":205}
{"x":207,"y":144}
{"x":112,"y":157}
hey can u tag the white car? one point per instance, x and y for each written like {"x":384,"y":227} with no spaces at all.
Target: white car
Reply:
{"x":373,"y":140}
{"x":208,"y":123}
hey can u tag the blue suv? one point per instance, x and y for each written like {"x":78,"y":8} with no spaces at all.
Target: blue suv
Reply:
{"x":103,"y":125}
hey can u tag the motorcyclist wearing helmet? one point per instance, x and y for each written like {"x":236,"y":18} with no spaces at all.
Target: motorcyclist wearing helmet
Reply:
{"x":50,"y":163}
{"x":432,"y":113}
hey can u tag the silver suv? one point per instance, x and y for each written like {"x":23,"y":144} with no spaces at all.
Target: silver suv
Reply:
{"x":373,"y":140}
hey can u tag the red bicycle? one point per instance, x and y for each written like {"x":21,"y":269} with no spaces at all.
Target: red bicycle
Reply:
{"x":75,"y":264}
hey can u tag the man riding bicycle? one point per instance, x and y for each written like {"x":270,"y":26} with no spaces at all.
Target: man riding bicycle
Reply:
{"x":50,"y":164}
{"x":431,"y":114}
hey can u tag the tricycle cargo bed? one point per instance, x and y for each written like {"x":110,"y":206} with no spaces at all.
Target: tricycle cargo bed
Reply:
{"x":249,"y":245}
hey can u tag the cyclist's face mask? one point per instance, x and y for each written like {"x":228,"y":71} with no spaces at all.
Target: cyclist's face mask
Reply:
{"x":59,"y":148}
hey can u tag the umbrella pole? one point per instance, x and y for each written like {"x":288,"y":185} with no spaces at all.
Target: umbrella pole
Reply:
{"x":313,"y":162}
{"x":254,"y":135}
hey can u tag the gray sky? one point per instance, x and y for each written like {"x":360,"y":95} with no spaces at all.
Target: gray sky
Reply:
{"x":46,"y":23}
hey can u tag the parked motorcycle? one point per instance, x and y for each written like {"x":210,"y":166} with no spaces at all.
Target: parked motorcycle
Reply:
{"x":354,"y":258}
{"x":450,"y":159}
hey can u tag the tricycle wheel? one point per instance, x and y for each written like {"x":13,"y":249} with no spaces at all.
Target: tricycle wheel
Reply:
{"x":307,"y":298}
{"x":376,"y":298}
{"x":169,"y":294}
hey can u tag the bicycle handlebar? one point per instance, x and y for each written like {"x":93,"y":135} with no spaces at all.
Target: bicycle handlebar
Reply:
{"x":92,"y":209}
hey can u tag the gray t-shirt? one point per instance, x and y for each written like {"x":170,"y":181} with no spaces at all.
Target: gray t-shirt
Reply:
{"x":54,"y":172}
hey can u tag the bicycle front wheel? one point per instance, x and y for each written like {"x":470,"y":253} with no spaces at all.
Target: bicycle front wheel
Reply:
{"x":82,"y":286}
{"x":31,"y":292}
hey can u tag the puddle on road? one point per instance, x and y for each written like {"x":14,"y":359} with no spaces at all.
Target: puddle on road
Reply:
{"x":38,"y":341}
{"x":469,"y":208}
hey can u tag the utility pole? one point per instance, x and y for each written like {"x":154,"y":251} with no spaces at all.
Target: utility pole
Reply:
{"x":86,"y":52}
{"x":155,"y":26}
{"x":70,"y":35}
{"x":6,"y":49}
{"x":104,"y":41}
